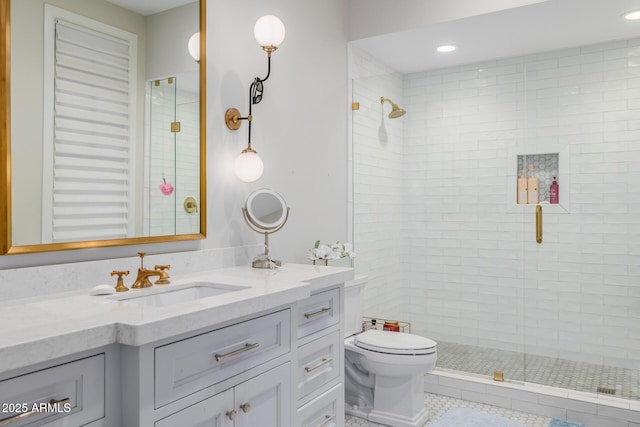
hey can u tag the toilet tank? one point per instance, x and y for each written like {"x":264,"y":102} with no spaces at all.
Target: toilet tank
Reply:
{"x":353,"y":304}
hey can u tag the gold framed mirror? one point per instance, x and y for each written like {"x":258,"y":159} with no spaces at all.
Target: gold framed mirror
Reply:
{"x":107,"y":142}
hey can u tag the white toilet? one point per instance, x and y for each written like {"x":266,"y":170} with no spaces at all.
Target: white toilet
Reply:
{"x":384,"y":371}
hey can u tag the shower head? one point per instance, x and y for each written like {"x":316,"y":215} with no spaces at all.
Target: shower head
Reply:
{"x":395,"y":110}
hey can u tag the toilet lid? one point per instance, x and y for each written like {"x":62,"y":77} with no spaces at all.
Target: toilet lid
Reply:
{"x":394,"y":342}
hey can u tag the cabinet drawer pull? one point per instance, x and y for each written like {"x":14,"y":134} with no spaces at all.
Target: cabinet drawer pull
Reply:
{"x":246,"y":347}
{"x":313,"y":368}
{"x":245,"y":407}
{"x":327,"y":420}
{"x":231,"y":415}
{"x":34,"y":411}
{"x":317,"y":313}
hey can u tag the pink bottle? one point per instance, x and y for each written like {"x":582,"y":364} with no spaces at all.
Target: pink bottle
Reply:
{"x":554,"y":192}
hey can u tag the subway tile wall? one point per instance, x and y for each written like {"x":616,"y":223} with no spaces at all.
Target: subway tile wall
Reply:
{"x":470,"y":267}
{"x":174,"y":157}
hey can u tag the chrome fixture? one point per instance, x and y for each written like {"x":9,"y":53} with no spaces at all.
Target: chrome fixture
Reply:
{"x":269,"y":32}
{"x":395,"y":110}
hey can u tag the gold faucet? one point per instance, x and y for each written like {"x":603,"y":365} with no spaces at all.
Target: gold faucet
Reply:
{"x":142,"y":280}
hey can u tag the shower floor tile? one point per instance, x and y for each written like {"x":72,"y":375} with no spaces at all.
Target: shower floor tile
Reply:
{"x":562,"y":373}
{"x":438,"y":405}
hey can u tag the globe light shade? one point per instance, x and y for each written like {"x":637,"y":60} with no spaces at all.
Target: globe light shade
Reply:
{"x":194,"y":46}
{"x":248,"y":166}
{"x":269,"y":32}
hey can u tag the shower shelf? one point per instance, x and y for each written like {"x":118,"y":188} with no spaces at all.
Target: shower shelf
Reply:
{"x":546,"y":166}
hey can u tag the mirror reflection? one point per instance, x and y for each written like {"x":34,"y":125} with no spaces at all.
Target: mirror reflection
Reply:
{"x":105,"y":121}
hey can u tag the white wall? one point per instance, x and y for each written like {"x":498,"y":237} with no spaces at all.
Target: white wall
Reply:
{"x":299,"y":130}
{"x":473,"y":271}
{"x":167,"y":36}
{"x":369,"y":18}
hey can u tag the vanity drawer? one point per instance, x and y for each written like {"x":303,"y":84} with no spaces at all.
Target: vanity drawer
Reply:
{"x":74,"y":392}
{"x":319,"y":311}
{"x":318,"y":363}
{"x":327,"y":410}
{"x":186,"y":366}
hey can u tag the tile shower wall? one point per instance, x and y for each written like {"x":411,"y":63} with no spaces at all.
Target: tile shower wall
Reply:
{"x":173,"y":154}
{"x":474,"y":273}
{"x":470,"y":263}
{"x":377,"y":188}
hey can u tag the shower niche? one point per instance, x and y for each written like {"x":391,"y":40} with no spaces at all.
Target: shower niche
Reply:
{"x":538,"y":178}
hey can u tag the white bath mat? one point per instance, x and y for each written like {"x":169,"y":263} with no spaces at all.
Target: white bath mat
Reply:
{"x":465,"y":417}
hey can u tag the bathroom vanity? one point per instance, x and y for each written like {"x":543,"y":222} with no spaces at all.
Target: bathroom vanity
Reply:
{"x":267,"y":350}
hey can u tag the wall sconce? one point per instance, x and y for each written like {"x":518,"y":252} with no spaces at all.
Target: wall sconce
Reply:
{"x":194,"y":47}
{"x":269,"y":33}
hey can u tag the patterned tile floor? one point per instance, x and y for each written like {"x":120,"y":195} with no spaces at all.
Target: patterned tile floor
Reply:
{"x":549,"y":371}
{"x":438,"y":405}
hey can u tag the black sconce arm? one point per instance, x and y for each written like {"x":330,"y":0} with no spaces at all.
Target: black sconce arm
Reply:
{"x":255,"y":96}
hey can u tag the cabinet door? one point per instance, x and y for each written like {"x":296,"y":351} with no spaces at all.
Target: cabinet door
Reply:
{"x":212,"y":412}
{"x":265,"y":400}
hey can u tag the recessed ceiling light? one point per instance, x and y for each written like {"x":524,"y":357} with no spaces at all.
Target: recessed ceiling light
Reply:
{"x":632,"y":16}
{"x":446,"y":48}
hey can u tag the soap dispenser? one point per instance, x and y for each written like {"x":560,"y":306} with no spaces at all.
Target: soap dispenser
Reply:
{"x":522,"y":188}
{"x":554,"y":192}
{"x":532,"y":187}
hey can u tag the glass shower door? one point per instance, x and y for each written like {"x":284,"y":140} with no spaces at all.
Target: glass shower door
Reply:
{"x":187,"y":154}
{"x":430,"y":225}
{"x":583,"y":303}
{"x":161,"y":155}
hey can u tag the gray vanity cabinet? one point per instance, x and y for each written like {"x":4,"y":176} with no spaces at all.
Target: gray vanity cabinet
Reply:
{"x":319,"y":366}
{"x":261,"y":401}
{"x":265,"y":400}
{"x":77,"y":390}
{"x":213,"y":411}
{"x":237,"y":374}
{"x":68,"y":394}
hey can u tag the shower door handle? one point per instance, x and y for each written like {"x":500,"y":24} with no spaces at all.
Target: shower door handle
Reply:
{"x":539,"y":224}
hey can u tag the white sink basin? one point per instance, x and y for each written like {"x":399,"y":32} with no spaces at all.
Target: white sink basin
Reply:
{"x":184,"y":293}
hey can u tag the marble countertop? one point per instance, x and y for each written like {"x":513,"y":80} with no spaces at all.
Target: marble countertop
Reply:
{"x":38,"y":329}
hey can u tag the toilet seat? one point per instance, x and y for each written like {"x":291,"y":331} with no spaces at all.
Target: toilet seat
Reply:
{"x":394,"y":343}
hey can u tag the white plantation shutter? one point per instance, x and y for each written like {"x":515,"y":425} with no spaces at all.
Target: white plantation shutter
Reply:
{"x":88,"y":174}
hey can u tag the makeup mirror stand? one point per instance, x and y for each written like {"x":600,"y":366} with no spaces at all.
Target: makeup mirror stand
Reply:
{"x":264,"y":260}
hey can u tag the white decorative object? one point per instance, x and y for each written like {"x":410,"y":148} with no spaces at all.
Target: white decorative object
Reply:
{"x":330,"y":252}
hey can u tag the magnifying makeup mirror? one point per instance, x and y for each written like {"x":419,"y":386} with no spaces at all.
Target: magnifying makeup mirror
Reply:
{"x":265,"y":211}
